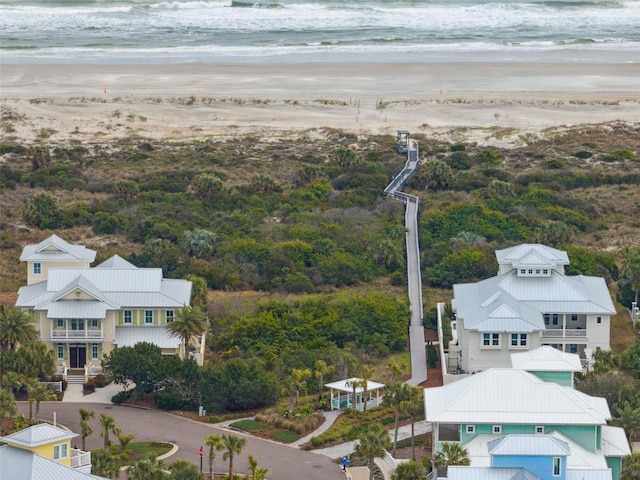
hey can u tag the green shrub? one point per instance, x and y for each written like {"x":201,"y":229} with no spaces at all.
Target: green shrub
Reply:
{"x":488,"y":156}
{"x":168,"y":401}
{"x":121,"y":397}
{"x":582,"y":154}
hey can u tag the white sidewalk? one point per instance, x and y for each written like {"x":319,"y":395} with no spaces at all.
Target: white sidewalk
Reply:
{"x":73,"y":394}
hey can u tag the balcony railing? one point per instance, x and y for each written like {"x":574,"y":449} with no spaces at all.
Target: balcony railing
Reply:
{"x":567,"y":333}
{"x":80,"y":458}
{"x":77,"y":334}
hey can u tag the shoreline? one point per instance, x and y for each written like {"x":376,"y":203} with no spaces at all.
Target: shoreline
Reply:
{"x":77,"y":102}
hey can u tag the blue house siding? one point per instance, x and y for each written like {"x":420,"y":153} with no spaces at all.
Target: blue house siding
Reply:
{"x":541,"y":466}
{"x":561,"y":378}
{"x":615,"y":464}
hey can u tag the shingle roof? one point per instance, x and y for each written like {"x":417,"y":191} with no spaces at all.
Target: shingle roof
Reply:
{"x":19,"y":464}
{"x":546,"y":359}
{"x":57,"y":249}
{"x":537,"y":445}
{"x":37,"y":435}
{"x":509,"y":396}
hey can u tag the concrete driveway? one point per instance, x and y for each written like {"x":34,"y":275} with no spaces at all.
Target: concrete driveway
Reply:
{"x":283,"y":462}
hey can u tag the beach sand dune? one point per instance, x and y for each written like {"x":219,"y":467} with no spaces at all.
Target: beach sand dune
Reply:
{"x":474,"y":100}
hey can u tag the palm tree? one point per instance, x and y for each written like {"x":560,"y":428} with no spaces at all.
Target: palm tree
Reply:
{"x":355,"y":383}
{"x":214,"y":442}
{"x":184,"y":470}
{"x":147,"y":469}
{"x":256,"y":472}
{"x":188,"y":322}
{"x":300,"y":376}
{"x":629,"y":419}
{"x":365,"y":373}
{"x":85,"y":428}
{"x":15,"y":328}
{"x":373,"y":441}
{"x":104,"y":465}
{"x":451,"y":454}
{"x":320,"y":370}
{"x":233,"y":445}
{"x":39,"y":392}
{"x":8,"y":405}
{"x":124,"y":439}
{"x":394,"y":394}
{"x":198,"y":243}
{"x":12,"y":381}
{"x":108,"y":424}
{"x":410,"y":470}
{"x":630,"y":270}
{"x":37,"y":360}
{"x":412,"y":405}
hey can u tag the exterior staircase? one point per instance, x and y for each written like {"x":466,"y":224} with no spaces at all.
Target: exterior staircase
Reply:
{"x":75,"y":376}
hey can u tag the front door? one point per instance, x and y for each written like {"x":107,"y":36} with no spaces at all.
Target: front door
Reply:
{"x":78,"y":354}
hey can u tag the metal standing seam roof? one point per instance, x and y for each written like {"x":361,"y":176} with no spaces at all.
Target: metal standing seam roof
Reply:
{"x":529,"y":445}
{"x":57,"y":249}
{"x":510,"y":396}
{"x":37,"y":435}
{"x":614,"y":442}
{"x":108,"y":280}
{"x":546,"y":359}
{"x":117,"y":262}
{"x":20,"y":464}
{"x":345,"y":385}
{"x":501,"y":312}
{"x":76,"y":309}
{"x":488,"y":473}
{"x":532,"y":254}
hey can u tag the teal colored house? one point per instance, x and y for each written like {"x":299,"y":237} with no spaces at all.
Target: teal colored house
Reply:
{"x":548,"y":364}
{"x":516,"y":425}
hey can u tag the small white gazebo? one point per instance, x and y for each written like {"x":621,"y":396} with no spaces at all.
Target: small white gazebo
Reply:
{"x":342,"y":393}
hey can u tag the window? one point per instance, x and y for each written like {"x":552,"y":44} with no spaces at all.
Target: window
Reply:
{"x":148,"y":316}
{"x":530,"y":271}
{"x":537,"y":271}
{"x":169,"y":316}
{"x":598,"y":320}
{"x":522,"y":271}
{"x":127,"y":316}
{"x":37,"y":268}
{"x":573,"y":348}
{"x":60,"y":323}
{"x":574,"y":317}
{"x":491,"y":339}
{"x":60,"y":351}
{"x":545,"y":272}
{"x":555,"y":318}
{"x":497,"y":429}
{"x":556,"y":466}
{"x":94,"y":323}
{"x":94,"y":351}
{"x":518,"y":339}
{"x":539,"y":429}
{"x":60,"y":451}
{"x":471,"y":429}
{"x":547,"y":319}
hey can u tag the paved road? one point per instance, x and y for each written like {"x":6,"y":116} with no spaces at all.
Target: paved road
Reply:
{"x":283,"y":462}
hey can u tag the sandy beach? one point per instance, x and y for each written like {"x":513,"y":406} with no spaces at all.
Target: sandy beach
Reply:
{"x":468,"y":100}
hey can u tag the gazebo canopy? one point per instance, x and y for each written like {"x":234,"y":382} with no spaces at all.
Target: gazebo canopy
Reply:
{"x":345,"y":385}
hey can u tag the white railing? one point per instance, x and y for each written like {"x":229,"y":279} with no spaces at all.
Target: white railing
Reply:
{"x":77,"y":334}
{"x":55,"y":386}
{"x":80,"y":458}
{"x":567,"y":333}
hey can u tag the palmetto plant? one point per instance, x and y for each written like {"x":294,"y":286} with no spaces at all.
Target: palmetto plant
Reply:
{"x":85,"y":428}
{"x":233,"y":445}
{"x":188,"y":322}
{"x":373,"y":441}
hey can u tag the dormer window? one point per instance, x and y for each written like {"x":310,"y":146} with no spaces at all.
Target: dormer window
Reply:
{"x":522,"y":271}
{"x":545,"y":272}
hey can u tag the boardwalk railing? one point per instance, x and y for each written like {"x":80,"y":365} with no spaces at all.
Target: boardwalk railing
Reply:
{"x":416,"y":330}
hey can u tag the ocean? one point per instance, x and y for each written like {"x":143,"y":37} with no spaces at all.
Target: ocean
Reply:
{"x":150,"y":31}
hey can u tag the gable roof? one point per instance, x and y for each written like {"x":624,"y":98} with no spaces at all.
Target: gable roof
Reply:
{"x":546,"y":359}
{"x":18,"y":463}
{"x":510,"y":396}
{"x":532,"y":254}
{"x":117,"y":262}
{"x":488,"y":473}
{"x":502,"y":313}
{"x":56,"y":249}
{"x":37,"y":435}
{"x":614,"y":442}
{"x":345,"y":385}
{"x":537,"y":445}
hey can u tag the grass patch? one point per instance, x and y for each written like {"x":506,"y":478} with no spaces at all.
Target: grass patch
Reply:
{"x":137,"y":451}
{"x":284,"y":436}
{"x":248,"y":425}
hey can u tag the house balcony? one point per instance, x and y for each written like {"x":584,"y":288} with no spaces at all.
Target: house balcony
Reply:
{"x":566,"y":333}
{"x":75,"y":335}
{"x":81,"y":460}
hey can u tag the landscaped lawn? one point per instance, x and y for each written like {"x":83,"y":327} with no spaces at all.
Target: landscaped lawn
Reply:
{"x":137,"y":451}
{"x":266,"y":431}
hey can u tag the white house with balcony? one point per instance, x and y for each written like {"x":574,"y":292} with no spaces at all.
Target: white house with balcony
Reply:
{"x":83,"y":313}
{"x":530,"y":303}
